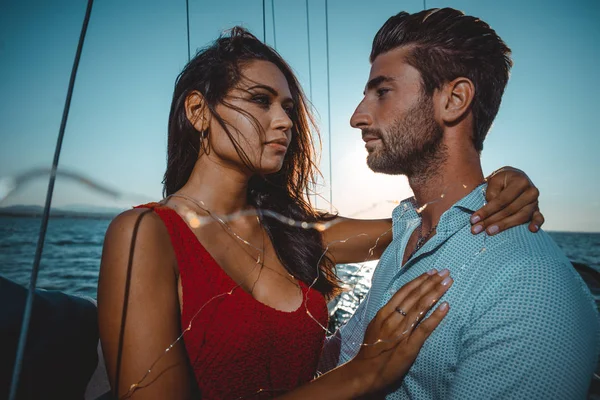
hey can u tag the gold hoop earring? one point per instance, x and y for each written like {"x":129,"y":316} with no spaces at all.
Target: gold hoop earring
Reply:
{"x":203,"y":142}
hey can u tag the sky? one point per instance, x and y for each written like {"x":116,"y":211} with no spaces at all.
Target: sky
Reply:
{"x":117,"y":128}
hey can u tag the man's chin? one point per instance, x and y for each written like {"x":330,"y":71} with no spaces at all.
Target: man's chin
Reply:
{"x":376,"y":164}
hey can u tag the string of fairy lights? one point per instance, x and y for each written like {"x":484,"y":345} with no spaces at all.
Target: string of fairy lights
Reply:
{"x":11,"y":185}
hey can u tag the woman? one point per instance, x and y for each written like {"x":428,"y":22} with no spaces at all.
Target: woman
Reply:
{"x":211,"y":262}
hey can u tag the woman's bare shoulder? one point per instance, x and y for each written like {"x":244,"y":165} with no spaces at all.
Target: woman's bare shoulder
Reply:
{"x":142,"y":221}
{"x":141,"y":231}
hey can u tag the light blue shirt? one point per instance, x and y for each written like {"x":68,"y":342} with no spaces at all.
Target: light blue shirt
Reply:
{"x":522,"y":323}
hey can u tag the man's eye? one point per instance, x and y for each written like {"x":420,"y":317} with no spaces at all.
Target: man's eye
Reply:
{"x":382,"y":91}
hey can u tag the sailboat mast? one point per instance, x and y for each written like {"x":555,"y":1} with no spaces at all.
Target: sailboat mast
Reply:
{"x":45,"y":216}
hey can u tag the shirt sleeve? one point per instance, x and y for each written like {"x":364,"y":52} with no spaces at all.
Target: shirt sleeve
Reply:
{"x":534,"y":336}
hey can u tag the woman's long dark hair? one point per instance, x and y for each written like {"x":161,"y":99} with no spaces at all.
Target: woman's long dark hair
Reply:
{"x":215,"y":71}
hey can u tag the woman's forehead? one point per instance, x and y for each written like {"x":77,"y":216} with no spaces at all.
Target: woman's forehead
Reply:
{"x":264,"y":73}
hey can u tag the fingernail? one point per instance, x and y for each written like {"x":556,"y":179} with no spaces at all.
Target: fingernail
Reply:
{"x":493,"y":229}
{"x":537,"y":228}
{"x":432,"y":271}
{"x":446,"y":281}
{"x":477,"y":229}
{"x":475,"y":219}
{"x":444,"y":272}
{"x":443,"y":306}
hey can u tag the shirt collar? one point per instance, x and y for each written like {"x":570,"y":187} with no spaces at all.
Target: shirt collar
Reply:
{"x":474,"y":200}
{"x":452,"y":219}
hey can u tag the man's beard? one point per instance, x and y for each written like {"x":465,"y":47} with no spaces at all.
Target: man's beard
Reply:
{"x":412,"y":146}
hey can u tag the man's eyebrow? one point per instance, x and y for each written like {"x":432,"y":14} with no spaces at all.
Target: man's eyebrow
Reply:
{"x":373,"y":83}
{"x":270,"y":90}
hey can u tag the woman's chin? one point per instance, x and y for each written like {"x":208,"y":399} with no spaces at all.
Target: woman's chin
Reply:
{"x":270,"y":168}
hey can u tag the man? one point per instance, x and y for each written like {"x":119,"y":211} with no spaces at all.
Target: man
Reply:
{"x":521,"y":323}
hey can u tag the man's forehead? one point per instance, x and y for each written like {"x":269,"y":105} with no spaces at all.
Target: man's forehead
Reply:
{"x":391,"y":63}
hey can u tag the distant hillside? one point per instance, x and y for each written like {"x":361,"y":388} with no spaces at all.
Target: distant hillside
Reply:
{"x":78,"y":211}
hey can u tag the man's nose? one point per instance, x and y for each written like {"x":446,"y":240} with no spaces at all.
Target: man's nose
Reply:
{"x":361,"y":118}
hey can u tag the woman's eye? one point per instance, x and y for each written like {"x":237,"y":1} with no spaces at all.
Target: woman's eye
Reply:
{"x":289,"y":110}
{"x":263,"y":100}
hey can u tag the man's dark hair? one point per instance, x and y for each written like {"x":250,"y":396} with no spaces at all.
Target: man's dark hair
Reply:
{"x":447,"y":44}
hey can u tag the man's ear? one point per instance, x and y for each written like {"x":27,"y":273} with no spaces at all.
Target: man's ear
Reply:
{"x":196,"y":111}
{"x":455,"y":99}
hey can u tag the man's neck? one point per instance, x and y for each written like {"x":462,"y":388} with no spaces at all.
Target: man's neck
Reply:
{"x":435,"y":192}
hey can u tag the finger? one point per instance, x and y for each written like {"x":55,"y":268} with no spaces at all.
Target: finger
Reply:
{"x":527,"y":199}
{"x":400,"y":327}
{"x":532,"y":194}
{"x":508,"y":222}
{"x":427,"y":300}
{"x":427,"y":326}
{"x":537,"y":220}
{"x":498,"y":203}
{"x":502,"y":220}
{"x":398,"y":307}
{"x":424,"y":304}
{"x":495,"y":184}
{"x":520,"y":204}
{"x":506,"y":177}
{"x":401,"y":294}
{"x":420,"y":300}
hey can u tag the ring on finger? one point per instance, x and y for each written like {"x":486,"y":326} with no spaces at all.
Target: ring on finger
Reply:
{"x":401,"y":311}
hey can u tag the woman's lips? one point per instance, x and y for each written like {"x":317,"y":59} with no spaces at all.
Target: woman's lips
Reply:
{"x":277,"y":146}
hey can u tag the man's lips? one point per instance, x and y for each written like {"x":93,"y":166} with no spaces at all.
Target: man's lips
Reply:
{"x":368,"y":138}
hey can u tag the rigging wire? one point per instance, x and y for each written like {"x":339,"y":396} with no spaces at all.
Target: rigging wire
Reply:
{"x":273,"y":17}
{"x":328,"y":106}
{"x":309,"y":55}
{"x":187,"y":15}
{"x":310,"y":82}
{"x":264,"y":23}
{"x":45,"y":216}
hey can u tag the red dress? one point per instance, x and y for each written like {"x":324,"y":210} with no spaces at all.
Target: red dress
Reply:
{"x":239,"y":347}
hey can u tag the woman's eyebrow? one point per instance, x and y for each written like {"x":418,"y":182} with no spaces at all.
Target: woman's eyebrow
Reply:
{"x":265,"y":87}
{"x":270,"y":90}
